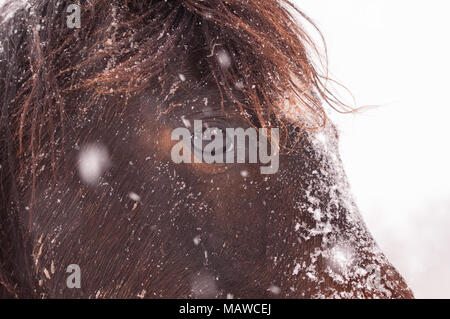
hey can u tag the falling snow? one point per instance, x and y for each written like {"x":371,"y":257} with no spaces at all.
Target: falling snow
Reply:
{"x":224,"y":59}
{"x":274,"y":290}
{"x":135,"y":197}
{"x":93,"y":161}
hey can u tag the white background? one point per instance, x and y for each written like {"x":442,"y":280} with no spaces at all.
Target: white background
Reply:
{"x":396,"y":54}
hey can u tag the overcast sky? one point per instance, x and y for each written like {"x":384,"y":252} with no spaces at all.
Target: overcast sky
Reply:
{"x":395,"y":54}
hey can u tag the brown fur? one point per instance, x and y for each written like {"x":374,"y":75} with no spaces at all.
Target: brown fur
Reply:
{"x":115,"y":81}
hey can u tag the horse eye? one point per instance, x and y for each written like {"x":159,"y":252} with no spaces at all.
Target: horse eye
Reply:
{"x":210,"y":132}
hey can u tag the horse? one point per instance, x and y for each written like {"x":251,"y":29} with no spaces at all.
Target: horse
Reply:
{"x":87,"y":180}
